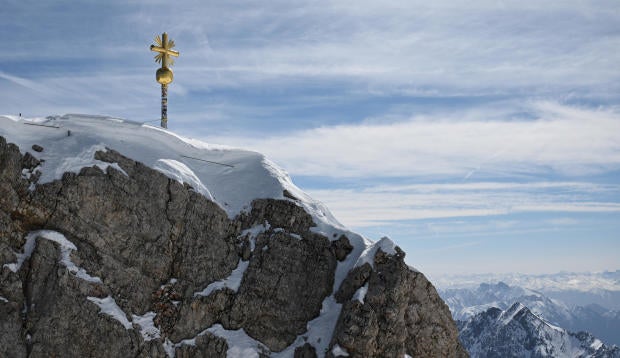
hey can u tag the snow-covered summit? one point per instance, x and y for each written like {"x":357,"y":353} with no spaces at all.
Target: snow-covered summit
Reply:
{"x":229,"y":176}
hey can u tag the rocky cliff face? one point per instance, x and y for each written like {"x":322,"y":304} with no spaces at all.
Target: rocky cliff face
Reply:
{"x":129,"y":262}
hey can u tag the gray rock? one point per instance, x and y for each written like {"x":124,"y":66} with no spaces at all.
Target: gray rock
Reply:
{"x":57,"y":313}
{"x":355,"y":279}
{"x":401,"y":314}
{"x":279,"y":214}
{"x":11,"y":325}
{"x":202,"y":312}
{"x":342,"y":247}
{"x":305,"y":351}
{"x":283,"y":288}
{"x":152,"y":349}
{"x":154,"y":243}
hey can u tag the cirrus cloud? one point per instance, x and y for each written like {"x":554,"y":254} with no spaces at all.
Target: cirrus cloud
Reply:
{"x":552,"y":139}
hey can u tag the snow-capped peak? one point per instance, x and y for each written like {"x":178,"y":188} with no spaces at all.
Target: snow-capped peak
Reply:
{"x":219,"y":172}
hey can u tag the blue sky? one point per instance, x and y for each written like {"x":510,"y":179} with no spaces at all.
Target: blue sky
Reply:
{"x":481,"y":136}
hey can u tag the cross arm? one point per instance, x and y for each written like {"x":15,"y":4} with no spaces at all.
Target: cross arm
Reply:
{"x":165,"y":51}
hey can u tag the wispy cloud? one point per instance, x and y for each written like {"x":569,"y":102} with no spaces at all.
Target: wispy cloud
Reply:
{"x":24,"y":83}
{"x":559,"y":138}
{"x":378,"y":205}
{"x":441,"y":48}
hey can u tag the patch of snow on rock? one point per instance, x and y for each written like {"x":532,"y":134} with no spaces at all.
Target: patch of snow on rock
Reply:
{"x":360,"y":294}
{"x":85,"y":158}
{"x":169,"y":347}
{"x":368,"y":256}
{"x":233,"y":281}
{"x":28,"y":249}
{"x":109,"y":307}
{"x":147,"y":327}
{"x":74,"y":269}
{"x":66,"y":247}
{"x":338,"y":351}
{"x":253,"y":232}
{"x":240,"y":345}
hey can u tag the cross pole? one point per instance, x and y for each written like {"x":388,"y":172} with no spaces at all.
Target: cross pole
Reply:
{"x":164,"y":75}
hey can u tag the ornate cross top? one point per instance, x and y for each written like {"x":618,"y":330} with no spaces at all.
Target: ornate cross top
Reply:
{"x":164,"y":47}
{"x":164,"y":75}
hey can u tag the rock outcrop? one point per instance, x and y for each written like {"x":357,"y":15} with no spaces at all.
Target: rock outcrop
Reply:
{"x":129,"y":262}
{"x":400,"y":313}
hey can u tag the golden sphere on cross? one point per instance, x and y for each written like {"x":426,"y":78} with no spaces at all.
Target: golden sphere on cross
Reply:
{"x":164,"y":75}
{"x":164,"y":48}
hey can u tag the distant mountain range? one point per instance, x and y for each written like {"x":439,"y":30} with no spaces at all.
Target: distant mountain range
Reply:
{"x":542,"y":325}
{"x":572,"y":288}
{"x":517,"y":332}
{"x":593,"y":318}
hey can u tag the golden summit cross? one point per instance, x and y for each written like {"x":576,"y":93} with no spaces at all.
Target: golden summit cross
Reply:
{"x":164,"y":75}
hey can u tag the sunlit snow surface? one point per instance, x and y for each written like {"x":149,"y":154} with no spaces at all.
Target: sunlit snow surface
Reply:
{"x":70,"y":142}
{"x":157,"y":148}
